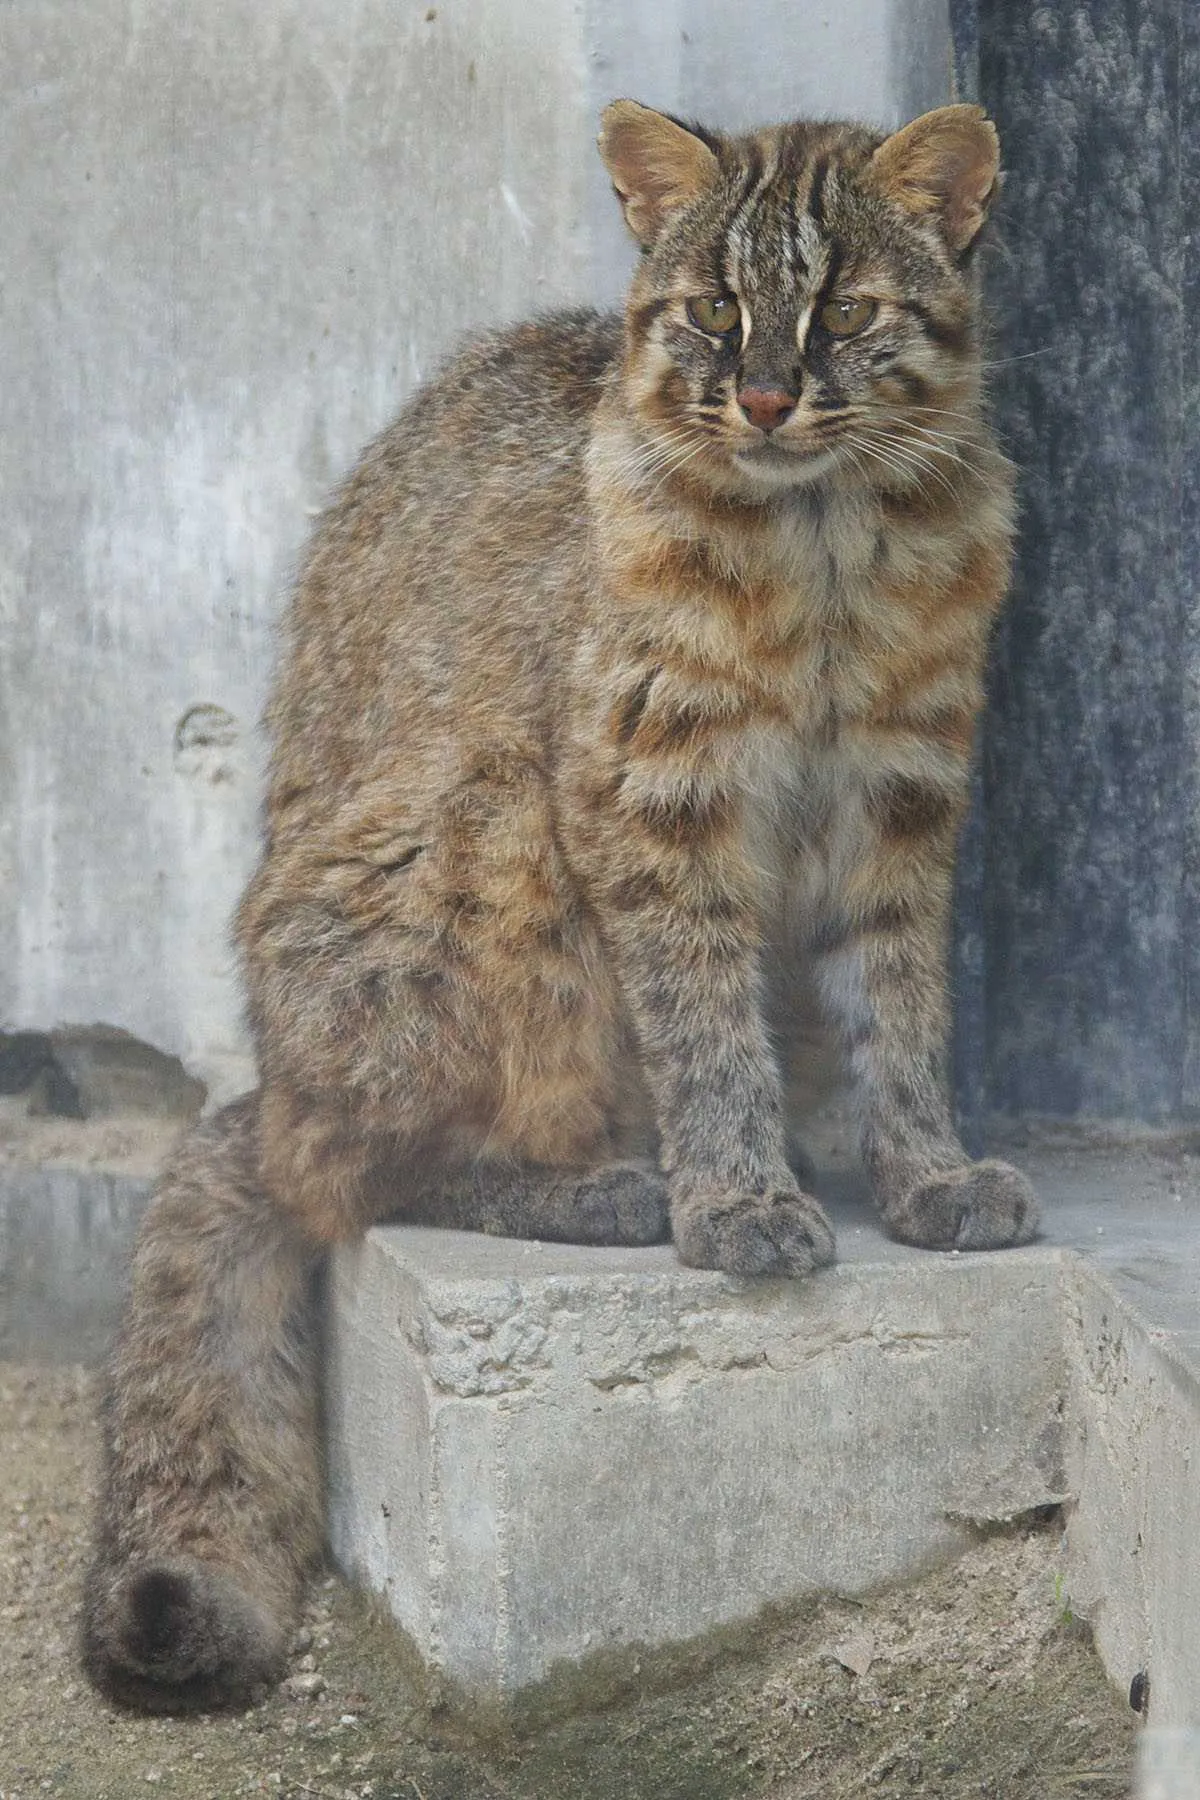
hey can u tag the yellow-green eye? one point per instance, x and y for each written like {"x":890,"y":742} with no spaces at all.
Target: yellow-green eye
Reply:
{"x":718,"y":316}
{"x":844,"y":316}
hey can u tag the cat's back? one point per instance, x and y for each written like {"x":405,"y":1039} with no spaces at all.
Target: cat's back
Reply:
{"x":508,"y":402}
{"x":448,"y":566}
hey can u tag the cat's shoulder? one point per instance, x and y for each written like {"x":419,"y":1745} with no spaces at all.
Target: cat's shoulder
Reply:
{"x":556,"y":359}
{"x":519,"y":398}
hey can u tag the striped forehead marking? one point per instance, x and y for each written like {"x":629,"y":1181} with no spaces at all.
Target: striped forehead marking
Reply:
{"x":775,"y":212}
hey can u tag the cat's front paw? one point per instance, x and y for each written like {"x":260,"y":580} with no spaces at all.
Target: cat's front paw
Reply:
{"x":980,"y":1206}
{"x":782,"y":1232}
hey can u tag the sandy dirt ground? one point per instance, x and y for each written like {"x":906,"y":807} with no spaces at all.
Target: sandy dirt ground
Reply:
{"x":974,"y":1684}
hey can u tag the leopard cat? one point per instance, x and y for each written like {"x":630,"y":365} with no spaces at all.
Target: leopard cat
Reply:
{"x":634,"y":669}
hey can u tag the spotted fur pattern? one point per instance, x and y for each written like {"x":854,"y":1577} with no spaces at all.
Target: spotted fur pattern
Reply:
{"x":593,"y":691}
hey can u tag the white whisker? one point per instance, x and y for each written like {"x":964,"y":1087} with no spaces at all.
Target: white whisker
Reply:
{"x":880,"y":456}
{"x":922,"y":458}
{"x":1006,"y":362}
{"x":939,"y":443}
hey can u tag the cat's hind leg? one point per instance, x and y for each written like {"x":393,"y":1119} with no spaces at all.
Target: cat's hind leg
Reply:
{"x":438,"y":1043}
{"x":211,"y":1508}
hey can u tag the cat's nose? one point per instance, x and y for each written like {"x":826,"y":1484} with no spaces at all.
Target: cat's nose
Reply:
{"x":767,"y":407}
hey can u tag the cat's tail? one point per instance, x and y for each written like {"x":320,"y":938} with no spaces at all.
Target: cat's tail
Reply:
{"x":210,"y":1512}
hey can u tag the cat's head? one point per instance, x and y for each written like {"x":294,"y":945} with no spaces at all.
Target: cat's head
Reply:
{"x":802,"y":308}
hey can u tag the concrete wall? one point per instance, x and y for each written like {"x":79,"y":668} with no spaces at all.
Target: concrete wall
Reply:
{"x":237,"y":235}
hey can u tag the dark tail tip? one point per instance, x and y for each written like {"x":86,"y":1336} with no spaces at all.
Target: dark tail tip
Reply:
{"x":159,"y":1615}
{"x":178,"y":1639}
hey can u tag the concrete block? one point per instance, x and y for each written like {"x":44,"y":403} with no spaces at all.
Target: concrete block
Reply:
{"x":537,"y":1452}
{"x":540,"y":1451}
{"x":1169,"y":1765}
{"x":1132,"y":1455}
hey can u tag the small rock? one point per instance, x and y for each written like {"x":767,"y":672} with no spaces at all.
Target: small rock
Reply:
{"x":857,"y":1653}
{"x":309,"y":1686}
{"x":302,"y":1641}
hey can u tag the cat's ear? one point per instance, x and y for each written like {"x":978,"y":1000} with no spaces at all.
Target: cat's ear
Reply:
{"x":945,"y":164}
{"x":657,"y":165}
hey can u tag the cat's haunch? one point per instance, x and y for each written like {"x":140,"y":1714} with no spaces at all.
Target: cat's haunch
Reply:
{"x":630,"y":683}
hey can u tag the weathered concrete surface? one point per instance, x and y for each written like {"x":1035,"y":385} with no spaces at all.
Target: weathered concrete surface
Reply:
{"x":1169,"y":1765}
{"x":238,"y":235}
{"x":1133,"y":1461}
{"x":242,"y":233}
{"x":65,"y":1238}
{"x":539,"y":1451}
{"x":72,"y":1192}
{"x":1131,"y":1314}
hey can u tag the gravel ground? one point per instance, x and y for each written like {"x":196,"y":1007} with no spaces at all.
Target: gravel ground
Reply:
{"x":974,"y":1684}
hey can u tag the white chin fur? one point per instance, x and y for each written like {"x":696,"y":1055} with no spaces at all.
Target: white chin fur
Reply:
{"x":783,"y":472}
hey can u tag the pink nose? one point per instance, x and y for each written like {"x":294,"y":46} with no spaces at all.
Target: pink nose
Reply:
{"x":766,"y":407}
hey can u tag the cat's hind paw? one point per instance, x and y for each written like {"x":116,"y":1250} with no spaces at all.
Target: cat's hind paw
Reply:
{"x":777,"y":1233}
{"x":621,"y":1203}
{"x":980,"y":1206}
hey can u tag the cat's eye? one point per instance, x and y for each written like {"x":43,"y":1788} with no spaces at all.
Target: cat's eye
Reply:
{"x":844,"y":316}
{"x":719,"y":315}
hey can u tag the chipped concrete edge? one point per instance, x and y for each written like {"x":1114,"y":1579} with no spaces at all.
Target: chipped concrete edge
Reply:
{"x":1133,"y":1415}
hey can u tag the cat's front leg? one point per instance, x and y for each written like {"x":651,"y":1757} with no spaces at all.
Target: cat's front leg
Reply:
{"x":691,"y":979}
{"x":658,"y":838}
{"x":881,"y":966}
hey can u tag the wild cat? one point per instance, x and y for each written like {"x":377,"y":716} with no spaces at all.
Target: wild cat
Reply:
{"x":635,"y":665}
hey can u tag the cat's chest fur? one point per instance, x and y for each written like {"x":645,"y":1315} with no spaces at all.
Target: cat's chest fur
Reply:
{"x":805,"y":610}
{"x":830,"y":635}
{"x":796,"y":636}
{"x":826,"y":556}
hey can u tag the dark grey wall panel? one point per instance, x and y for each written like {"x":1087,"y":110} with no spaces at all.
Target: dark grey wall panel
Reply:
{"x":1189,"y":503}
{"x":1078,"y":942}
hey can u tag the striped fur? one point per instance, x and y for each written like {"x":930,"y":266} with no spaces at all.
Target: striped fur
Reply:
{"x":593,"y":697}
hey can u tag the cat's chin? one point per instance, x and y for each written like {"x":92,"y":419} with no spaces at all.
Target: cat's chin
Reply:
{"x":777,"y":466}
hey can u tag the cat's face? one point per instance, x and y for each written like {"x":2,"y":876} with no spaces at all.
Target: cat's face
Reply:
{"x":801,"y":310}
